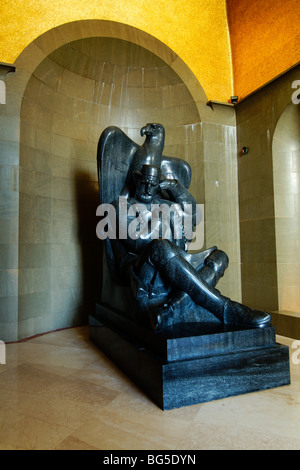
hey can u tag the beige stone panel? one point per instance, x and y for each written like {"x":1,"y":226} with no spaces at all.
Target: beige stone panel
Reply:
{"x":44,"y":161}
{"x":287,"y":239}
{"x":36,"y":115}
{"x":9,"y":255}
{"x":134,"y":97}
{"x":26,"y":227}
{"x":42,"y":231}
{"x":150,"y":77}
{"x":9,"y":229}
{"x":288,"y":275}
{"x":285,"y":206}
{"x":30,"y":58}
{"x":43,"y":208}
{"x":211,"y":151}
{"x":282,"y":162}
{"x":69,"y":128}
{"x":153,"y":98}
{"x":50,"y":73}
{"x":42,"y":139}
{"x":9,"y":177}
{"x":34,"y":255}
{"x":63,"y":187}
{"x":61,"y":167}
{"x":166,"y":76}
{"x":255,"y":272}
{"x":34,"y":280}
{"x":49,"y":41}
{"x":103,"y":92}
{"x":296,"y":159}
{"x":33,"y":89}
{"x":67,"y":254}
{"x":286,"y":182}
{"x":9,"y":153}
{"x":66,"y":299}
{"x":9,"y":128}
{"x":27,"y":158}
{"x":64,"y":231}
{"x":61,"y":146}
{"x":190,"y":114}
{"x":194,"y":132}
{"x":64,"y":209}
{"x":55,"y":102}
{"x":66,"y":277}
{"x":8,"y":203}
{"x":31,"y":305}
{"x":135,"y":77}
{"x":289,"y":296}
{"x":82,"y":150}
{"x":9,"y":282}
{"x":27,"y":181}
{"x":27,"y":283}
{"x":43,"y":185}
{"x":75,"y":85}
{"x":83,"y":110}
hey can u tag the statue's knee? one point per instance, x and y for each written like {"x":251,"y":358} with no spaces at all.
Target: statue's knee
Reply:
{"x":161,"y":251}
{"x":218,"y":261}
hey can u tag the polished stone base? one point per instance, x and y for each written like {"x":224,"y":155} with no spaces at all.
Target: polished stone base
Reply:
{"x":192,"y":363}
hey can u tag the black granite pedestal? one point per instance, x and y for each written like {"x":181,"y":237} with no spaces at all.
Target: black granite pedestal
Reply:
{"x":191,"y":363}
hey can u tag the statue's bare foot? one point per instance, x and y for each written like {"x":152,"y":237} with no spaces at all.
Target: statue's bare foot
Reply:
{"x":241,"y":315}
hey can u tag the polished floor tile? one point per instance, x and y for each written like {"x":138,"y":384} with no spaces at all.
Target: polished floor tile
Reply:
{"x":58,"y":391}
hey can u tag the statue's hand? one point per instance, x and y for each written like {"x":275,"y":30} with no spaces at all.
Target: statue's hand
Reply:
{"x":167,"y":184}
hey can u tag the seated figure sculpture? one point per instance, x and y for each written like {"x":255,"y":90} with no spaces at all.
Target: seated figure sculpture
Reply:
{"x":168,"y":283}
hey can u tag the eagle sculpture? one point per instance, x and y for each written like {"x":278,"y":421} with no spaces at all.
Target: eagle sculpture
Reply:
{"x":118,"y":157}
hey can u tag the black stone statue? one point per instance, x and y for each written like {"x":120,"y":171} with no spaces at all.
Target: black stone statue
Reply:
{"x":160,"y":318}
{"x":151,"y":276}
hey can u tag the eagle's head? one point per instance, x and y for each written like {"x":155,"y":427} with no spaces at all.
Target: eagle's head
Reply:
{"x":154,"y":130}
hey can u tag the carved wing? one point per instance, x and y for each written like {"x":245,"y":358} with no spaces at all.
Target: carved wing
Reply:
{"x":114,"y":156}
{"x":176,"y":168}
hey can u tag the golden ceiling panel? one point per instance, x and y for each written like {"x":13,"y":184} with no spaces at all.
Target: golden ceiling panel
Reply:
{"x":196,"y":30}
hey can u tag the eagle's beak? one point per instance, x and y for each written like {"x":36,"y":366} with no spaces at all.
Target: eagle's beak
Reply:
{"x":146,"y":130}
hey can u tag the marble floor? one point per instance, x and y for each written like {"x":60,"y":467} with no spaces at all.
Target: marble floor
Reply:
{"x":58,"y":391}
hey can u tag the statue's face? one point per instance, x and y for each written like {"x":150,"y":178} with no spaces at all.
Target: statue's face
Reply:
{"x":145,"y":190}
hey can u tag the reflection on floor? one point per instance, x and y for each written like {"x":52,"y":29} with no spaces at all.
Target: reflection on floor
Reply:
{"x":58,"y":391}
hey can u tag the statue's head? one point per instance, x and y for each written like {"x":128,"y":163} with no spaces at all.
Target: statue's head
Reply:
{"x":147,"y":182}
{"x":154,"y":129}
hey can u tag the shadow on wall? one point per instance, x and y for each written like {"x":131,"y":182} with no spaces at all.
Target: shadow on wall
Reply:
{"x":87,"y":201}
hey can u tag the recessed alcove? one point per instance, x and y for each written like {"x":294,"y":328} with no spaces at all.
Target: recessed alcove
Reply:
{"x":286,"y":171}
{"x":71,"y":97}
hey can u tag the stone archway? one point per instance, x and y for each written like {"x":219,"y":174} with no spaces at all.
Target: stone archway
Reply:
{"x":63,"y":110}
{"x":35,"y":253}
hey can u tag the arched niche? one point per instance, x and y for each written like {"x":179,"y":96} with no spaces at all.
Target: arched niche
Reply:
{"x":51,"y":164}
{"x":286,"y":172}
{"x":72,"y":95}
